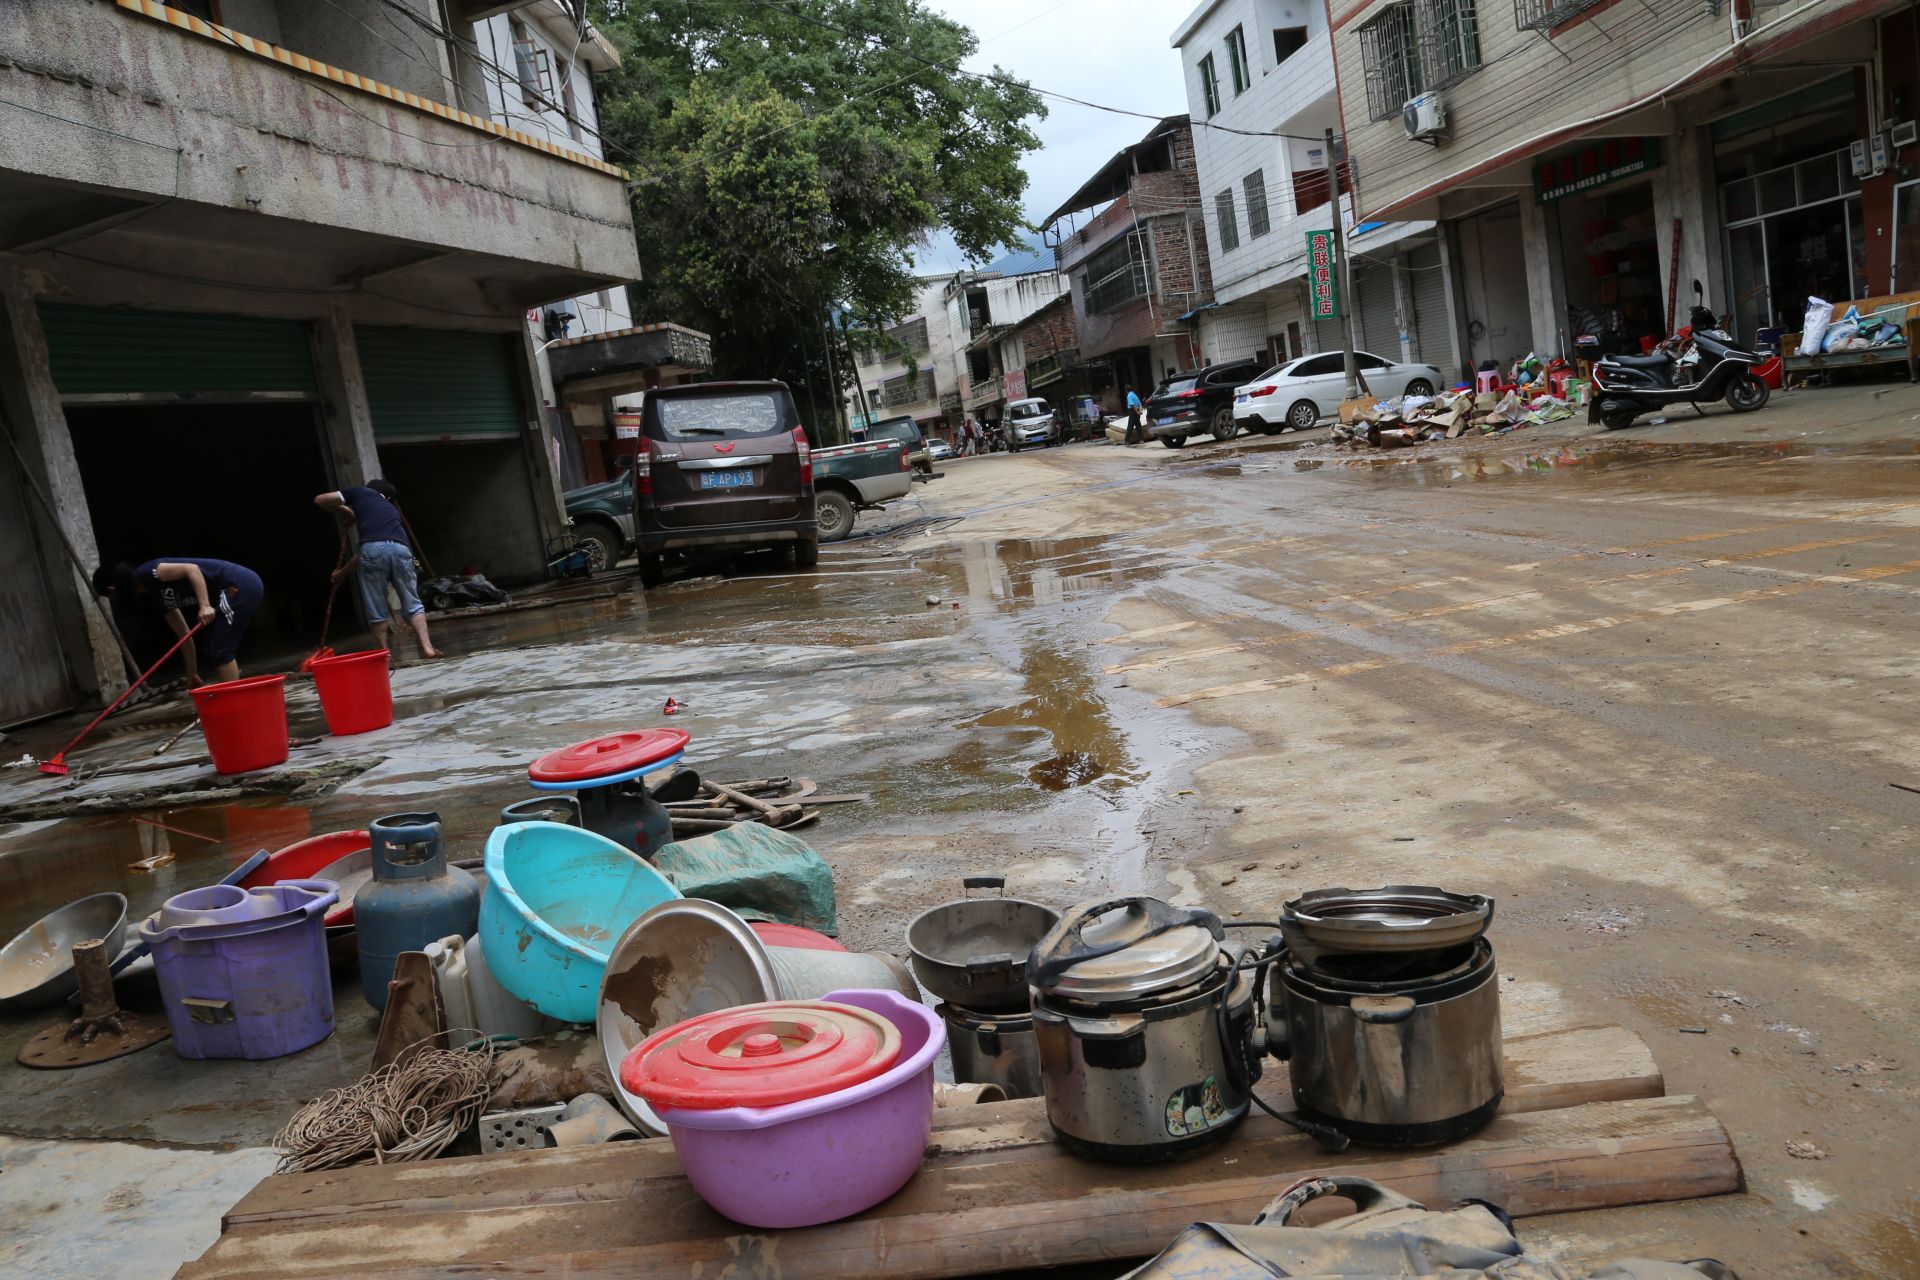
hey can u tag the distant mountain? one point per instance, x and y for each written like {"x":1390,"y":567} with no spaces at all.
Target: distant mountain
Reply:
{"x":1031,"y":257}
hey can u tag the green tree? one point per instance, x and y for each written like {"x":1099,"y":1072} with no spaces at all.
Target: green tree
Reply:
{"x":785,"y":161}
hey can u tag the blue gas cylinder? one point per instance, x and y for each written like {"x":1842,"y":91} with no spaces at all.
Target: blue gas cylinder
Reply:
{"x":414,"y":898}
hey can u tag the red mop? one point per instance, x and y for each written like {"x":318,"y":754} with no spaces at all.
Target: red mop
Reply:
{"x":57,"y":767}
{"x":325,"y":650}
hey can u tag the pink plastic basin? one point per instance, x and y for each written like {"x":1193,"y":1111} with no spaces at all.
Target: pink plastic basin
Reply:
{"x":821,"y":1159}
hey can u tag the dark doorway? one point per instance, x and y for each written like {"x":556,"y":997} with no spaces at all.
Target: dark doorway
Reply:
{"x":226,"y":481}
{"x":471,"y":506}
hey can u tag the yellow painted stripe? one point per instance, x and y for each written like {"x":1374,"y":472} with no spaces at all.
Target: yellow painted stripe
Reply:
{"x":1538,"y":634}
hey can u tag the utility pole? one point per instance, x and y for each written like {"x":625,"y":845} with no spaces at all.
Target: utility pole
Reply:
{"x":833,"y":380}
{"x":859,"y":384}
{"x":1340,"y":271}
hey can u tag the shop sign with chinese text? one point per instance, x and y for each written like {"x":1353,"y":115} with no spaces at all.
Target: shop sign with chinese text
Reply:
{"x":1320,"y":275}
{"x":1596,"y":164}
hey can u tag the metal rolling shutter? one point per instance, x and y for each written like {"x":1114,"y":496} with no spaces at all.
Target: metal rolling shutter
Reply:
{"x":440,"y":384}
{"x":1431,"y":322}
{"x":1378,"y":329}
{"x":119,"y":350}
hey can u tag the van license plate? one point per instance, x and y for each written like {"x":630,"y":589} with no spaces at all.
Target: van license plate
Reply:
{"x":727,"y":480}
{"x":1163,"y":422}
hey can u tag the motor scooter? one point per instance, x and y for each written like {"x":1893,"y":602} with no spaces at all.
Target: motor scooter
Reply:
{"x":1699,"y":363}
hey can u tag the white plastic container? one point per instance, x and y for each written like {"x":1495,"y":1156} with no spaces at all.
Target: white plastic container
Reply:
{"x":473,"y":999}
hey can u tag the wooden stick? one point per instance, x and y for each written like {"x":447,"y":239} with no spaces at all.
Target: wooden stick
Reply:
{"x":698,"y":826}
{"x":772,"y":815}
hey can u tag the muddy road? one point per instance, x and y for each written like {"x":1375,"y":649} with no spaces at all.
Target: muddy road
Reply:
{"x":1648,"y":694}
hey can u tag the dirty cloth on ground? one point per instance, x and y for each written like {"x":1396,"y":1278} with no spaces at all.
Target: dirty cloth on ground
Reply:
{"x":757,"y":872}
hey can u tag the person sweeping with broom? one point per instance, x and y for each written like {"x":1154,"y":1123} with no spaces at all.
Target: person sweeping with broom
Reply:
{"x":385,"y":558}
{"x":220,"y":595}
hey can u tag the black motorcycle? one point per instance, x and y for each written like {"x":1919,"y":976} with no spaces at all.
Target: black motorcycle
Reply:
{"x":1685,"y":371}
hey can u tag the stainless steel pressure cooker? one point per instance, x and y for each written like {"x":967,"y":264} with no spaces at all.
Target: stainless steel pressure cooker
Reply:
{"x":1386,"y":1005}
{"x":1144,"y":1024}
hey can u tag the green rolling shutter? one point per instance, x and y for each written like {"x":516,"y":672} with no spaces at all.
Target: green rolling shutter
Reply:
{"x":119,"y":350}
{"x":433,"y":384}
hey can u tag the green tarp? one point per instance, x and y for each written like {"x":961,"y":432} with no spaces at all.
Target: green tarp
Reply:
{"x":757,"y":872}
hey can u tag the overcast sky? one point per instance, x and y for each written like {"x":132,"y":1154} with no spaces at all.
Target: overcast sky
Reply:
{"x":1108,"y":51}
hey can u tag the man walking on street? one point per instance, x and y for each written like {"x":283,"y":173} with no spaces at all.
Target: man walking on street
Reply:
{"x":1136,"y":417}
{"x":385,"y":559}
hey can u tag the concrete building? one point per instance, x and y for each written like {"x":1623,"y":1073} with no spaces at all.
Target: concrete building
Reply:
{"x":247,"y":261}
{"x":1139,"y":262}
{"x":984,"y":310}
{"x":1597,"y":158}
{"x":1260,"y":86}
{"x":908,"y":367}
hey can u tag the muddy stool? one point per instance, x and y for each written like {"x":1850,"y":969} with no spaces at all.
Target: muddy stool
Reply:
{"x":604,"y":775}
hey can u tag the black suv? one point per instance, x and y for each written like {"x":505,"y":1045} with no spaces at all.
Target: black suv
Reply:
{"x":1198,"y":400}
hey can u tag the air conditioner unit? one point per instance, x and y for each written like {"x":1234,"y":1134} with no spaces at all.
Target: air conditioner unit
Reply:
{"x":1425,"y":117}
{"x":1906,"y":133}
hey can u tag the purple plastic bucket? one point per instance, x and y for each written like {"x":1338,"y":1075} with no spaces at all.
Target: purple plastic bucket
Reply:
{"x":260,"y":987}
{"x":826,"y":1158}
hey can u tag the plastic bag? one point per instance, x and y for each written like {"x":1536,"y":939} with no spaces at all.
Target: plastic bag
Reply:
{"x":1819,"y":312}
{"x":758,"y":872}
{"x":1838,"y":333}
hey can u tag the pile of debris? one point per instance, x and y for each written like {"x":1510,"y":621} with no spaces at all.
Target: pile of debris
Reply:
{"x":698,"y":806}
{"x":1411,"y":420}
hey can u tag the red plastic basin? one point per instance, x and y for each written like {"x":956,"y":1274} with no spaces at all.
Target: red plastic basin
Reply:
{"x":300,"y":861}
{"x":356,"y":695}
{"x":244,"y":722}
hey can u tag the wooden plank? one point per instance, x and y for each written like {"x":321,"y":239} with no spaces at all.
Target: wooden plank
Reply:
{"x":1547,"y":1070}
{"x":979,"y":1212}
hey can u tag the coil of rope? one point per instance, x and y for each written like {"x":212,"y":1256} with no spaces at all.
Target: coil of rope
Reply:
{"x":411,"y":1109}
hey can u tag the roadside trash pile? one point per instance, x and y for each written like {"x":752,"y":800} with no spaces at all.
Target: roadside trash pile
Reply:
{"x":1824,"y":335}
{"x":1403,"y":422}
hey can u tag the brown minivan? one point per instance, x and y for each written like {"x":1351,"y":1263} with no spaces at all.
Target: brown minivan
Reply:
{"x":722,"y":464}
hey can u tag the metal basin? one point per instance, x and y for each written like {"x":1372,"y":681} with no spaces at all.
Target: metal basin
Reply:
{"x":1396,"y":918}
{"x":36,"y":968}
{"x":973,"y":953}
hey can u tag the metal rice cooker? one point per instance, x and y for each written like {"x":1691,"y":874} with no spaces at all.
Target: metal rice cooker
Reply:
{"x":1145,"y":1030}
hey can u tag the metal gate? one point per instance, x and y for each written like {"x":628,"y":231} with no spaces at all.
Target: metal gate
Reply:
{"x":1378,"y":326}
{"x":107,"y":353}
{"x":1431,"y":323}
{"x":440,"y":384}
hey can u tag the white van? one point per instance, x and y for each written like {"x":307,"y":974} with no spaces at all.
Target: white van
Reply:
{"x":1029,"y":422}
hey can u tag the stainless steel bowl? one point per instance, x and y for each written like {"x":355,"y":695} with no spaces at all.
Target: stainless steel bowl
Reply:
{"x":36,"y":968}
{"x":1396,"y":918}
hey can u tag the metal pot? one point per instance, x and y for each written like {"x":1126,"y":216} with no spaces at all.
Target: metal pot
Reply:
{"x":1144,"y":1029}
{"x":1405,"y":1060}
{"x":973,"y":952}
{"x":995,"y":1049}
{"x":1398,"y":917}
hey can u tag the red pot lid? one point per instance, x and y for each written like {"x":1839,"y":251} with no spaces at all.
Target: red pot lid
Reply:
{"x":604,"y":757}
{"x":775,"y":934}
{"x":761,"y":1055}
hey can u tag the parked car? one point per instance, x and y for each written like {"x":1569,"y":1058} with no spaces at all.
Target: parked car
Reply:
{"x":857,"y":477}
{"x":1302,"y":391}
{"x":1198,"y":400}
{"x":601,"y":516}
{"x":939,"y":450}
{"x":1030,"y":422}
{"x":722,"y":464}
{"x":907,"y":432}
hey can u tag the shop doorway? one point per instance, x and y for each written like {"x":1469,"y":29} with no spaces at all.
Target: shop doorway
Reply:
{"x":1497,"y":319}
{"x":470,"y":504}
{"x":225,"y":481}
{"x":1610,"y":261}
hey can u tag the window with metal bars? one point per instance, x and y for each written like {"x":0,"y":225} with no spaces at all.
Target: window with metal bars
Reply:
{"x":1449,"y":41}
{"x":1229,"y":225}
{"x":1390,"y":55}
{"x":1116,"y":275}
{"x":1210,"y":86}
{"x":1537,"y":15}
{"x":1259,"y":220}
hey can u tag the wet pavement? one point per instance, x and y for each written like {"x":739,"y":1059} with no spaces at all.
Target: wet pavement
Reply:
{"x":1647,"y":692}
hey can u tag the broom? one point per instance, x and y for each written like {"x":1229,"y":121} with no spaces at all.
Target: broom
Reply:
{"x":325,"y":650}
{"x":57,"y":767}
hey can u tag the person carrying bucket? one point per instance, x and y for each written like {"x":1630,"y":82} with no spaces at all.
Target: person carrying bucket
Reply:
{"x":221,"y":596}
{"x":385,"y":558}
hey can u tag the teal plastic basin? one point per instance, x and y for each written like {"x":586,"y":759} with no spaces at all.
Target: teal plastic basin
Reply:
{"x":557,"y":898}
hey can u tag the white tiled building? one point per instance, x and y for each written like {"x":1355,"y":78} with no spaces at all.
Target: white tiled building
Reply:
{"x":1256,"y":69}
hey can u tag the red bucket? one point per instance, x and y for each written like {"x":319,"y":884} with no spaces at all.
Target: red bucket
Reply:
{"x":244,"y":722}
{"x":355,"y":693}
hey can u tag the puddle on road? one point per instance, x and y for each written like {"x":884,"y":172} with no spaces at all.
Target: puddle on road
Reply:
{"x":1064,"y":703}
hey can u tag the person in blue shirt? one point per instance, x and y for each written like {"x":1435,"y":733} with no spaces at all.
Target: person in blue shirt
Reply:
{"x":385,"y":558}
{"x":219,"y":594}
{"x":1136,"y":417}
